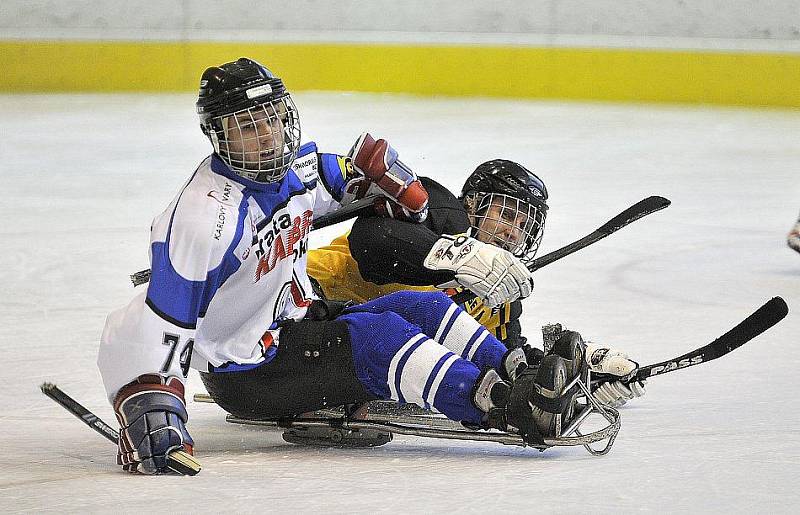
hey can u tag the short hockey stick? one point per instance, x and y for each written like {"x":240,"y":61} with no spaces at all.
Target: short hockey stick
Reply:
{"x":772,"y":312}
{"x":358,"y":208}
{"x":641,"y":209}
{"x":179,"y":461}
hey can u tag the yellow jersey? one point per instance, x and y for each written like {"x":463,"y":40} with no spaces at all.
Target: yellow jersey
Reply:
{"x":336,"y":272}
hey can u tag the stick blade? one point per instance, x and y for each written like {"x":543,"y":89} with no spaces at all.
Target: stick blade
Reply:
{"x":772,"y":312}
{"x":642,"y":208}
{"x":183,"y":463}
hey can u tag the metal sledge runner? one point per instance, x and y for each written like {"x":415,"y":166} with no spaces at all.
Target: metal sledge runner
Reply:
{"x":375,"y":423}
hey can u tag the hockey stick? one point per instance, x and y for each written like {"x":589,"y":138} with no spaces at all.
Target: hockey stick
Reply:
{"x":361,"y":207}
{"x":641,"y":209}
{"x":358,"y":208}
{"x":179,"y":461}
{"x":772,"y":312}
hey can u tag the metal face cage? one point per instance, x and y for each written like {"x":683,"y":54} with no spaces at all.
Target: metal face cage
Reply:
{"x":258,"y":143}
{"x":507,"y":222}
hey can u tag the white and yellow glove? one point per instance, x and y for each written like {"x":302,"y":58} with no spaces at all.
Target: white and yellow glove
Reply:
{"x":604,"y":360}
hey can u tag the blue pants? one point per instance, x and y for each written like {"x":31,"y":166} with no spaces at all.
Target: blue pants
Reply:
{"x":420,"y":347}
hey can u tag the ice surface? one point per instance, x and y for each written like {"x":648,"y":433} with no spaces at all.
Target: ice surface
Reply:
{"x":83,"y":175}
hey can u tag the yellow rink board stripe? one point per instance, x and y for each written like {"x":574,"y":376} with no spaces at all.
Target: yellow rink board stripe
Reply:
{"x":730,"y":78}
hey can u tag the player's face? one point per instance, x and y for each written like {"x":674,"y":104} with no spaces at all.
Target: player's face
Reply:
{"x":504,"y":223}
{"x":255,"y":137}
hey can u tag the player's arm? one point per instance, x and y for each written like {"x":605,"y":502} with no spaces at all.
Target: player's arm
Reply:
{"x":493,"y":274}
{"x":436,"y":254}
{"x":371,"y":170}
{"x":140,"y":359}
{"x":380,"y":172}
{"x":146,"y":347}
{"x":392,"y":251}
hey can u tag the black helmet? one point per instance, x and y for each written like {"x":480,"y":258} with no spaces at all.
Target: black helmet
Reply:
{"x":250,"y":119}
{"x":508,"y":178}
{"x":518,"y":202}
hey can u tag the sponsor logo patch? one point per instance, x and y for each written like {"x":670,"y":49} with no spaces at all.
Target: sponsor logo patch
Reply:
{"x":222,"y":212}
{"x":306,"y":167}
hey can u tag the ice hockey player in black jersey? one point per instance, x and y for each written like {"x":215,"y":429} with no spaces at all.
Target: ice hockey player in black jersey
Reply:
{"x":502,"y":205}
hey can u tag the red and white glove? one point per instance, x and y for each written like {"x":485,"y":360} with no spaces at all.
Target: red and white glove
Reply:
{"x":604,"y":360}
{"x":152,"y":415}
{"x":379,"y":172}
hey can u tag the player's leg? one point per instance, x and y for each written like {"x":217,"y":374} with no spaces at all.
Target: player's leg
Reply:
{"x":447,"y":324}
{"x":395,"y":360}
{"x":364,"y":356}
{"x":359,"y":356}
{"x":312,"y":369}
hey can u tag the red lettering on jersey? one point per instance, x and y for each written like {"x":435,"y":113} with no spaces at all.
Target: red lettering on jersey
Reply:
{"x":278,"y":251}
{"x":308,"y":216}
{"x":295,"y":235}
{"x":262,"y":267}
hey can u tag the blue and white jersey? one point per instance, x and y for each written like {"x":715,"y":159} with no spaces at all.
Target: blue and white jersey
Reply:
{"x":228,"y":261}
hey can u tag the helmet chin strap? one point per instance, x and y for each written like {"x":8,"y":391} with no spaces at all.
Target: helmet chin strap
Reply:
{"x":226,"y":130}
{"x":212,"y":135}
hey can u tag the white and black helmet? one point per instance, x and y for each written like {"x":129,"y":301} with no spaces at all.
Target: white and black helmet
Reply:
{"x":507,"y":206}
{"x":250,"y":119}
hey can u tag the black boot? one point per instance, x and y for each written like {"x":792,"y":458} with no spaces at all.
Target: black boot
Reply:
{"x":571,"y":347}
{"x":534,"y":406}
{"x":553,"y":407}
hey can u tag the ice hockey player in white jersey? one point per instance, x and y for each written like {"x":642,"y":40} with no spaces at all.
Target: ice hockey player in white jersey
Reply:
{"x":229,"y":295}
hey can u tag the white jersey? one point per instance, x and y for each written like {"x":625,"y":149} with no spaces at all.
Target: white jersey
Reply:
{"x":228,"y":262}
